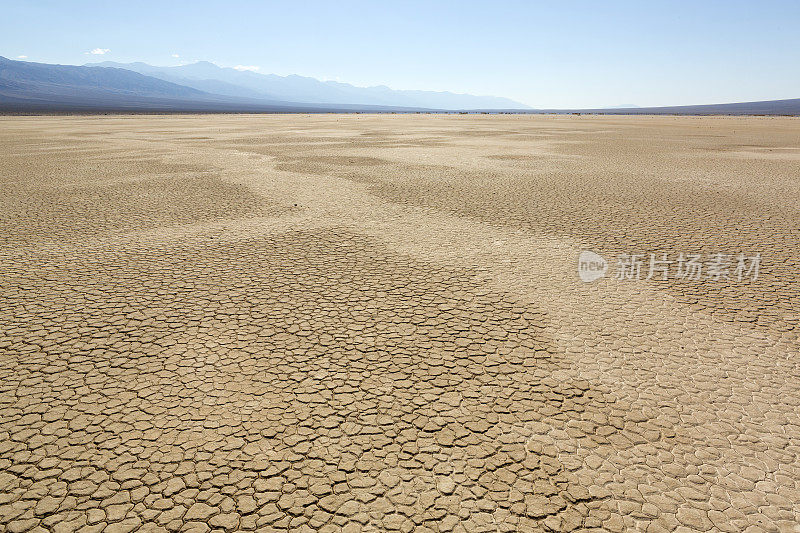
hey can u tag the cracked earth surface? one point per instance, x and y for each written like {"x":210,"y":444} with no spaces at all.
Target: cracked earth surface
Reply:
{"x":375,"y":323}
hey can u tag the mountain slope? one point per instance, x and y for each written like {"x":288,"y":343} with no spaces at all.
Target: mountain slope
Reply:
{"x":210,"y":77}
{"x":26,"y":86}
{"x":38,"y":80}
{"x":197,"y":81}
{"x":36,"y":87}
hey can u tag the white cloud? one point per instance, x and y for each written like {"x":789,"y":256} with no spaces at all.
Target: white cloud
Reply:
{"x":251,"y":68}
{"x":175,"y":55}
{"x":98,"y":51}
{"x":22,"y":57}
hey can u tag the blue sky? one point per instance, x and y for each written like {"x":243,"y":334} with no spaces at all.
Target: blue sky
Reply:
{"x":545,"y":54}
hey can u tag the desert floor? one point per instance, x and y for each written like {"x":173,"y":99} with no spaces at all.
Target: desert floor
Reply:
{"x":375,"y":323}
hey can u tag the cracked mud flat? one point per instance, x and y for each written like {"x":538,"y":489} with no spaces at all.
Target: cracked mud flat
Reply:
{"x":375,"y":323}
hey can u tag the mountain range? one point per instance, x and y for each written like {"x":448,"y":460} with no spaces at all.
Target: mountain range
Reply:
{"x":208,"y":77}
{"x":205,"y":87}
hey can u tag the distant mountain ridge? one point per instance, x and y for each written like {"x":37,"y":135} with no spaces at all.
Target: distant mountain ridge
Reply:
{"x":39,"y":79}
{"x":33,"y":87}
{"x":208,"y":77}
{"x":27,"y":87}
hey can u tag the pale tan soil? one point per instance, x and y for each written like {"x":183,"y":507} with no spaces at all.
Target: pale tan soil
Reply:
{"x":375,"y":323}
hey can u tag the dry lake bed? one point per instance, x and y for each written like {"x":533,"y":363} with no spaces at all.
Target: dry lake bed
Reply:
{"x":379,"y":323}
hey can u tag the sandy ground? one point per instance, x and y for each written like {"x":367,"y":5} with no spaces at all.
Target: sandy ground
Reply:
{"x":375,"y":323}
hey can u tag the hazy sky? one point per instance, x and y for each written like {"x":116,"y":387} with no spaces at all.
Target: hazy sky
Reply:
{"x":545,"y":54}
